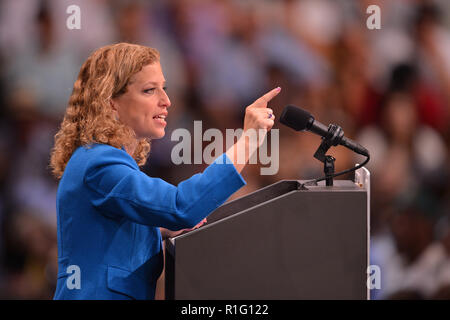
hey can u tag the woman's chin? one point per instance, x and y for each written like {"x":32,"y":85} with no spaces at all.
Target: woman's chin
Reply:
{"x":157,"y":135}
{"x":151,"y":134}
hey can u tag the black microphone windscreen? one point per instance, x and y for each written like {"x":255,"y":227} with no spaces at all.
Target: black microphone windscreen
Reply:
{"x":296,"y":118}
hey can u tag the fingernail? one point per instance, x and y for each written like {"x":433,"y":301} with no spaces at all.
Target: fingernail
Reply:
{"x":278,"y":89}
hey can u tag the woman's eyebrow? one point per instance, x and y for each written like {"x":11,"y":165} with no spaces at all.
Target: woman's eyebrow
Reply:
{"x":154,"y":83}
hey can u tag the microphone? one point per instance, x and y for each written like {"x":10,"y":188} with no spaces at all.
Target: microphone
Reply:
{"x":301,"y":120}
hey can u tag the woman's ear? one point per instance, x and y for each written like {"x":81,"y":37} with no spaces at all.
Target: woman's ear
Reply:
{"x":113,"y":105}
{"x":114,"y":108}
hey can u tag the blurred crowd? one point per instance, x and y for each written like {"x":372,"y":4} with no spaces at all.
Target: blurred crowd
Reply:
{"x":388,"y":88}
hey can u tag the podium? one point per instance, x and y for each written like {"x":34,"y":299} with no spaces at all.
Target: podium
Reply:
{"x":284,"y":241}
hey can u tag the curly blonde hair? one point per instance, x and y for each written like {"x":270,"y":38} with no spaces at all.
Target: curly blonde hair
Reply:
{"x":89,"y":118}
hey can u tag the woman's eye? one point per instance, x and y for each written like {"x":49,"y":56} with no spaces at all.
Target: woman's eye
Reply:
{"x":151,"y":90}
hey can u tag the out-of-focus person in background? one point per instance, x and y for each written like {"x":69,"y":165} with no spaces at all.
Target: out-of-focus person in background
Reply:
{"x":388,"y":88}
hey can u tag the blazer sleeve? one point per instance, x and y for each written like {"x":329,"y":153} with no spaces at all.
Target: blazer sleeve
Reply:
{"x":120,"y":189}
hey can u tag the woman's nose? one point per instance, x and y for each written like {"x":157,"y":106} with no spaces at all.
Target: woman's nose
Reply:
{"x":165,"y":101}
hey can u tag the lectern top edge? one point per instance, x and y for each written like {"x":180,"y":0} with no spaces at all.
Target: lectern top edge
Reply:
{"x":268,"y":194}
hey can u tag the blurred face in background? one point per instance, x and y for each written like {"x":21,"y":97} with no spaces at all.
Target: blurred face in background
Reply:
{"x":412,"y":233}
{"x":144,"y":105}
{"x":400,"y":117}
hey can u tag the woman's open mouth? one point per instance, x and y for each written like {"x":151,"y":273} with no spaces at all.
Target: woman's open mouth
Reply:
{"x":161,"y":118}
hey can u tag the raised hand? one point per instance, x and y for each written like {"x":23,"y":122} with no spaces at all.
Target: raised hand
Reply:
{"x":257,"y":115}
{"x":259,"y":119}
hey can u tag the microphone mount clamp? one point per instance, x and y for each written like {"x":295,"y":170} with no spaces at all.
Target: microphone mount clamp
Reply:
{"x":333,"y":138}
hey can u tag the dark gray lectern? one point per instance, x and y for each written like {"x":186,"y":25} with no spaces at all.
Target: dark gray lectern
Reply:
{"x":284,"y":241}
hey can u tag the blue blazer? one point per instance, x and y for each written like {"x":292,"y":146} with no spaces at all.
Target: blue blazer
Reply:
{"x":108,"y":218}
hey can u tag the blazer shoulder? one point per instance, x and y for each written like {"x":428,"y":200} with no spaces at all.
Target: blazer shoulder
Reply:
{"x":103,"y":154}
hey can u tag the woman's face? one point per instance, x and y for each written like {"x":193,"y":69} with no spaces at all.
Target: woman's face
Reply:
{"x":144,"y":105}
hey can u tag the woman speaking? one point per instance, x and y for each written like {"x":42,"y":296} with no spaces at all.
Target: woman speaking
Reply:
{"x":111,"y":217}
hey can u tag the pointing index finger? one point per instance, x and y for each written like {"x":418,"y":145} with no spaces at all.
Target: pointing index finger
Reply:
{"x":268,"y":96}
